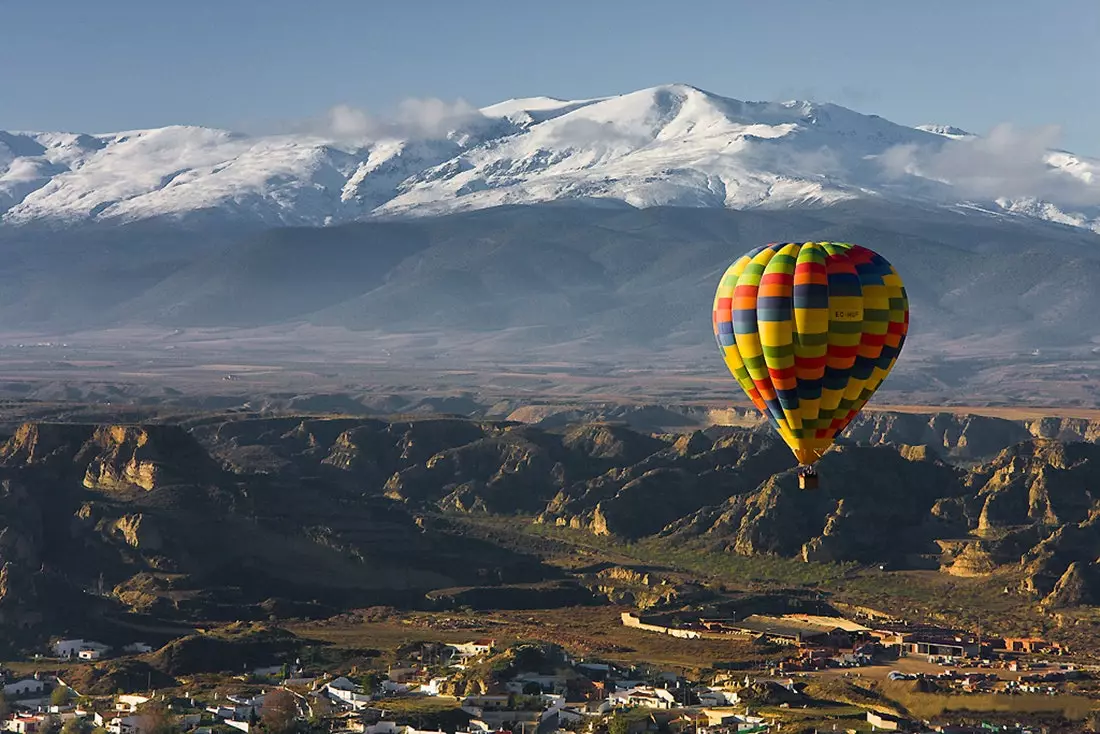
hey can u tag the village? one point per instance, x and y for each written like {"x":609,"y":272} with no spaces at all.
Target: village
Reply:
{"x":537,"y":688}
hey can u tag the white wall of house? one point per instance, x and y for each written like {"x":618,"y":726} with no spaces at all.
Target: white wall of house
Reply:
{"x":126,"y":725}
{"x":72,"y":648}
{"x":25,"y":687}
{"x":24,"y":724}
{"x":130,"y":702}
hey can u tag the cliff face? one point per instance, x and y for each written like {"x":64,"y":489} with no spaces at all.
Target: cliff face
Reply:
{"x":221,"y":517}
{"x":873,"y":505}
{"x":969,"y":436}
{"x":151,"y":519}
{"x":1039,"y":481}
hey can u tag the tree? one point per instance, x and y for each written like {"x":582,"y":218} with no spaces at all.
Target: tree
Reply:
{"x":72,"y":726}
{"x":280,"y":712}
{"x":618,"y":724}
{"x":5,"y":709}
{"x":533,"y":688}
{"x":158,"y":719}
{"x":371,"y":680}
{"x":59,"y":696}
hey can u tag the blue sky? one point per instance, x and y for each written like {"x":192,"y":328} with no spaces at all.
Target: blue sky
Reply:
{"x":115,"y":64}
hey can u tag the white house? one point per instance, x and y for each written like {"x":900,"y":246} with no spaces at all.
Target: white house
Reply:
{"x":467,"y":650}
{"x":354,"y":699}
{"x":713,"y":697}
{"x":129,"y":703}
{"x":242,"y":725}
{"x":89,"y":654}
{"x":389,"y":686}
{"x":343,"y":684}
{"x":544,"y":682}
{"x":434,"y":687}
{"x":25,"y":687}
{"x":127,"y":725}
{"x":71,"y":648}
{"x":383,"y":727}
{"x":138,"y":648}
{"x":222,"y":712}
{"x":25,"y":724}
{"x":245,"y":707}
{"x":644,"y":696}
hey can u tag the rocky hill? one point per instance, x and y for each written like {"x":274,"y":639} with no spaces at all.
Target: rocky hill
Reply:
{"x":237,"y":517}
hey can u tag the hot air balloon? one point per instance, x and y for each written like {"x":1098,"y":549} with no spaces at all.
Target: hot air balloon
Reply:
{"x":810,"y":330}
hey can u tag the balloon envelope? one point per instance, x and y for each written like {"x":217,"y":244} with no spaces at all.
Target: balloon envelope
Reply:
{"x":810,"y":330}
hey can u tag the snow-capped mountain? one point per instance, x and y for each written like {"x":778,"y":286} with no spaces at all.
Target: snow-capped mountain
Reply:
{"x":667,"y":145}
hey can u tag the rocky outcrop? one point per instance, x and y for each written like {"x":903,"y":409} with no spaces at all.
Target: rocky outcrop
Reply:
{"x":360,"y":511}
{"x":1069,"y":430}
{"x":145,"y":457}
{"x":20,"y":604}
{"x":44,"y":444}
{"x":971,"y":436}
{"x":692,"y":472}
{"x":514,"y":471}
{"x":1039,"y":481}
{"x":873,"y":505}
{"x":615,"y":445}
{"x":230,"y":649}
{"x":118,"y":676}
{"x":1078,"y":586}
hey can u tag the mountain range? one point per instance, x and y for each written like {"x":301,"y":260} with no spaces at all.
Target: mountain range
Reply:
{"x":541,"y":231}
{"x":671,"y":145}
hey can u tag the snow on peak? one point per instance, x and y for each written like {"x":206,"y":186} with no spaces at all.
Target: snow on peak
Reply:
{"x":672,"y":144}
{"x":947,"y":131}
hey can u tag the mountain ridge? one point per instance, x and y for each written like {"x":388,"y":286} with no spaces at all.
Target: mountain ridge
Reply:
{"x":669,"y":145}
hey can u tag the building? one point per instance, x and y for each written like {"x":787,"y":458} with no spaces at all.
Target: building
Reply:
{"x":68,"y":649}
{"x":130,"y":703}
{"x":887,"y":722}
{"x":25,"y":724}
{"x":853,"y":628}
{"x":791,"y":631}
{"x":1029,"y":644}
{"x":24,"y":687}
{"x":951,"y":647}
{"x":467,"y":650}
{"x":712,"y":696}
{"x":644,"y":697}
{"x":477,"y":705}
{"x":126,"y":725}
{"x":90,"y":654}
{"x":343,"y":690}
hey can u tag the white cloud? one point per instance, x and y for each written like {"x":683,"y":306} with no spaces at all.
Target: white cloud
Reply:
{"x":1009,"y":162}
{"x":417,"y":119}
{"x":580,"y":133}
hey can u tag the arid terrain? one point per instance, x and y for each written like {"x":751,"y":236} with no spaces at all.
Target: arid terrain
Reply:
{"x":227,"y":512}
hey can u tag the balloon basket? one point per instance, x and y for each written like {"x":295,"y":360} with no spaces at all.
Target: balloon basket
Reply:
{"x":807,"y":481}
